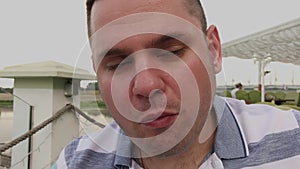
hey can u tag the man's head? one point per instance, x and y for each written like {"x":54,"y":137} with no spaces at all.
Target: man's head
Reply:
{"x":159,"y":83}
{"x":239,"y":85}
{"x":193,"y":6}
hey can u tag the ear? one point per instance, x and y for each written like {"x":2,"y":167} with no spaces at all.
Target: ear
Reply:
{"x":214,"y":47}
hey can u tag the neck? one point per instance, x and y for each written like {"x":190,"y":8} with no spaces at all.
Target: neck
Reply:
{"x":193,"y":157}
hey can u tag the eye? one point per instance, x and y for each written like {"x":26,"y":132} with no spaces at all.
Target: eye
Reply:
{"x":178,"y":52}
{"x":170,"y":52}
{"x":117,"y":63}
{"x":113,"y":67}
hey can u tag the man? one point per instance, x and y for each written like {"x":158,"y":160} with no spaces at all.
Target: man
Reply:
{"x":238,"y":87}
{"x":156,"y":62}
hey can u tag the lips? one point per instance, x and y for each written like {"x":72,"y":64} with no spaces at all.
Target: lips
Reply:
{"x":166,"y":119}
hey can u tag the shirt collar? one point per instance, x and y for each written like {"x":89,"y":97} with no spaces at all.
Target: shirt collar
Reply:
{"x":229,"y":142}
{"x":124,"y":152}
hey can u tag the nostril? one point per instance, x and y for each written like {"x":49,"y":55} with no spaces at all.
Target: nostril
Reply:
{"x":157,"y":100}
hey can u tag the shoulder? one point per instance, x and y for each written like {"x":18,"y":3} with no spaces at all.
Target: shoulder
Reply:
{"x":259,"y":120}
{"x":95,"y":150}
{"x":271,"y":135}
{"x":234,"y":90}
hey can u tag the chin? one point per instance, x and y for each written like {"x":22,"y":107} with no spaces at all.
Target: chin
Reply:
{"x":184,"y":145}
{"x":188,"y":142}
{"x":180,"y":148}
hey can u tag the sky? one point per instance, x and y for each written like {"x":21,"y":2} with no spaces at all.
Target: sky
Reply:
{"x":43,"y":30}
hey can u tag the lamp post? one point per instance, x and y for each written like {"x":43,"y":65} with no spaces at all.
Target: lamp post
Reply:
{"x":262,"y":61}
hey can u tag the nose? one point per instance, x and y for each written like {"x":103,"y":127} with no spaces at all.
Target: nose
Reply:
{"x":146,"y":81}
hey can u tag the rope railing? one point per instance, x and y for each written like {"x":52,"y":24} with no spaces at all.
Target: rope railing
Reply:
{"x":88,"y":117}
{"x":5,"y":161}
{"x":45,"y":123}
{"x":5,"y":156}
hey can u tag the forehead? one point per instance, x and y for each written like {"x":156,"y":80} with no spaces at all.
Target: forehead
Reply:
{"x":132,"y":29}
{"x":106,"y":11}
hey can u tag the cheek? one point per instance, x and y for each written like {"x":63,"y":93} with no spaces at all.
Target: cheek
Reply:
{"x":105,"y":83}
{"x":205,"y":81}
{"x":105,"y":90}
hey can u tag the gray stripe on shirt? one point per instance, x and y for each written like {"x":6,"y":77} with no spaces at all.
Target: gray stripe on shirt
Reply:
{"x":89,"y":159}
{"x":273,"y":147}
{"x":297,"y":115}
{"x":70,"y":150}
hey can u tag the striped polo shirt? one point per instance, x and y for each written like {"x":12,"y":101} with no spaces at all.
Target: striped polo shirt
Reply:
{"x":248,"y":136}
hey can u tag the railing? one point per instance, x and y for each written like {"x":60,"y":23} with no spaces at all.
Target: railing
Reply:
{"x":6,"y":159}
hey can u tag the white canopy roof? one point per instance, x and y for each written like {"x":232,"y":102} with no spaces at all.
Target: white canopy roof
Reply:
{"x":281,"y":43}
{"x":46,"y":69}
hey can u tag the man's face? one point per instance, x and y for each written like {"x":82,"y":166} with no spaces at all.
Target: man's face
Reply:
{"x":156,"y":85}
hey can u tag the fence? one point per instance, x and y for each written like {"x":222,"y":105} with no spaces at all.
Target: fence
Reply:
{"x":6,"y":159}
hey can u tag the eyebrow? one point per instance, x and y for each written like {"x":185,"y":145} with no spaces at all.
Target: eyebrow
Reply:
{"x":166,"y":38}
{"x":114,"y":51}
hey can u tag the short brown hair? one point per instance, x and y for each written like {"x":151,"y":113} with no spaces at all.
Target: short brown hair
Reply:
{"x":194,"y":7}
